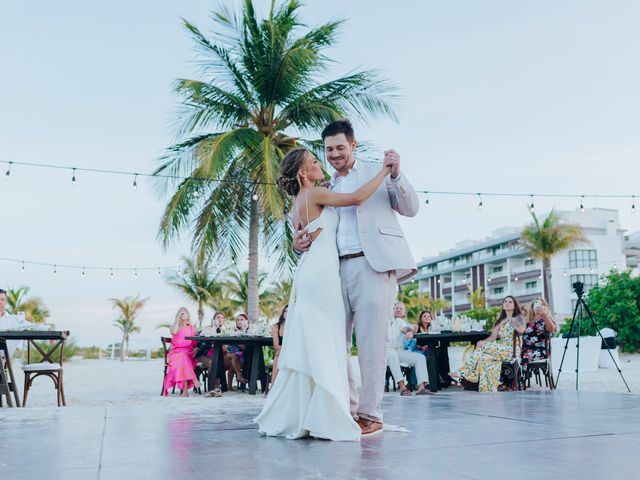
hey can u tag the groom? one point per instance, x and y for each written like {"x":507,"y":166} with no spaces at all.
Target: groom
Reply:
{"x":374,"y":256}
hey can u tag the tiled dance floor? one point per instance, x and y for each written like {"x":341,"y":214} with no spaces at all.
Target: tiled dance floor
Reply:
{"x":533,"y":434}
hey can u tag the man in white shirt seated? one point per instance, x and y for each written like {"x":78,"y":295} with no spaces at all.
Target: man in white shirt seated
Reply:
{"x":398,"y":328}
{"x":14,"y":322}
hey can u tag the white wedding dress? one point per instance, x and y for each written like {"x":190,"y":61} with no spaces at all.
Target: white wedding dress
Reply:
{"x":311,"y":392}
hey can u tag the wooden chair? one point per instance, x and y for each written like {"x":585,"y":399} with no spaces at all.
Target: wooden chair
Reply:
{"x":48,"y":367}
{"x":511,"y":368}
{"x":406,"y":372}
{"x":166,"y":343}
{"x":7,"y":382}
{"x":542,"y":365}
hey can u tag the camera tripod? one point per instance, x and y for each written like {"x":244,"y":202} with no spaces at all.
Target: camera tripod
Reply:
{"x":581,"y":304}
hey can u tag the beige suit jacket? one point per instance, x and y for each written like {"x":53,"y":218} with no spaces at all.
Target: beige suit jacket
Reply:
{"x":381,"y":236}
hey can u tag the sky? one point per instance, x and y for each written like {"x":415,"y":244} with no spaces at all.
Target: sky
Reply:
{"x":494,"y":96}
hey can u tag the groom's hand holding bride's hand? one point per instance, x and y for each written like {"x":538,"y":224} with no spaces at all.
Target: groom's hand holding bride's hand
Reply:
{"x":301,"y":239}
{"x":392,"y":160}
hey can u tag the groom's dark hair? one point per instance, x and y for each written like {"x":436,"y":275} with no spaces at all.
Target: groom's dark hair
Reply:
{"x":339,"y":126}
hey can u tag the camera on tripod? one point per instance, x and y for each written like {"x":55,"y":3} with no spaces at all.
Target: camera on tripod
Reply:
{"x":578,"y":287}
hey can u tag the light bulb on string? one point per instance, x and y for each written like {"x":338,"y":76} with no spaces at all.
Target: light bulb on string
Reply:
{"x":74,"y":182}
{"x":532,"y":206}
{"x":135,"y":182}
{"x":82,"y":272}
{"x":582,"y":203}
{"x":254,"y":197}
{"x":564,"y":273}
{"x":480,"y":203}
{"x":135,"y":273}
{"x":8,"y":172}
{"x":426,"y":201}
{"x":22,"y":269}
{"x":55,"y":270}
{"x":633,"y":204}
{"x":111,"y":274}
{"x":489,"y":279}
{"x":159,"y":272}
{"x":515,"y":278}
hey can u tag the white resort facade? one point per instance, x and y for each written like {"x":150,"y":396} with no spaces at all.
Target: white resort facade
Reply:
{"x":501,"y":267}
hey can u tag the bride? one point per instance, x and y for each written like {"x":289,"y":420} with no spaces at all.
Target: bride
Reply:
{"x":311,"y":393}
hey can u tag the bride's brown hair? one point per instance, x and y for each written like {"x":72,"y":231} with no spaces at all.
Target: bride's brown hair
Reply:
{"x":291,"y":165}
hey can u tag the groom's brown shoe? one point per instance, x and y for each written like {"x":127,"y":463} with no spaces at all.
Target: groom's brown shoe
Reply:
{"x":369,"y":427}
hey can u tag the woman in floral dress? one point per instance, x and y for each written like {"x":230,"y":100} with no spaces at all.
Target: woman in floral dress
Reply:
{"x":483,"y":366}
{"x":540,"y":325}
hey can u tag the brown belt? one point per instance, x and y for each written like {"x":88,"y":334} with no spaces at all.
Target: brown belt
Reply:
{"x":351,"y":255}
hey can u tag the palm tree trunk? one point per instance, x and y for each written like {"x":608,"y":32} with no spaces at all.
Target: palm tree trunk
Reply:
{"x":548,"y":292}
{"x":200,"y":313}
{"x":252,"y":290}
{"x":122,"y":347}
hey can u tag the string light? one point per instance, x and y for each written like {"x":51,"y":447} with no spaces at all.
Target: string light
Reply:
{"x":241,"y":181}
{"x":82,"y":272}
{"x":254,"y":197}
{"x":480,"y":204}
{"x":489,"y":279}
{"x":633,"y":204}
{"x":582,"y":204}
{"x":135,"y":182}
{"x":159,"y":272}
{"x":564,"y":273}
{"x":55,"y":270}
{"x":73,"y":178}
{"x":135,"y":273}
{"x":22,"y":269}
{"x":111,"y":274}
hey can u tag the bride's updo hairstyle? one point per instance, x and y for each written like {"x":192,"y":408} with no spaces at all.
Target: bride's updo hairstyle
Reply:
{"x":291,"y":165}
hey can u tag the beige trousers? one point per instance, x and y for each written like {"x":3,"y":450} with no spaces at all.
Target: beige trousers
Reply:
{"x":368,"y":301}
{"x":413,"y":359}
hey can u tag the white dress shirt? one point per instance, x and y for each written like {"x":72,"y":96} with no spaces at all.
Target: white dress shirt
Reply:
{"x":348,"y":231}
{"x":348,"y":236}
{"x":394,"y":333}
{"x":17,"y":322}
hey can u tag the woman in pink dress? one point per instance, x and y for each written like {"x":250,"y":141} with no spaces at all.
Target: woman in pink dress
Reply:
{"x":181,"y":359}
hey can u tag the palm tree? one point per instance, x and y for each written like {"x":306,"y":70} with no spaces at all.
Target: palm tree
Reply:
{"x":129,"y":309}
{"x":236,"y":288}
{"x":261,"y":89}
{"x":414,"y":301}
{"x":33,"y":308}
{"x":198,"y":283}
{"x":476,"y":297}
{"x":546,"y":239}
{"x":275,"y":298}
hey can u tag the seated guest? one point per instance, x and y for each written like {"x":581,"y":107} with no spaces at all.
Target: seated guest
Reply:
{"x":539,"y":326}
{"x":204,"y":353}
{"x":235,"y":353}
{"x":277,"y":332}
{"x":484,"y":365}
{"x":181,"y":360}
{"x":398,"y":329}
{"x":15,"y":322}
{"x":423,"y":326}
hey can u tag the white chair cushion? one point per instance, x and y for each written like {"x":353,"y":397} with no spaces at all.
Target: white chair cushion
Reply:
{"x":41,"y":367}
